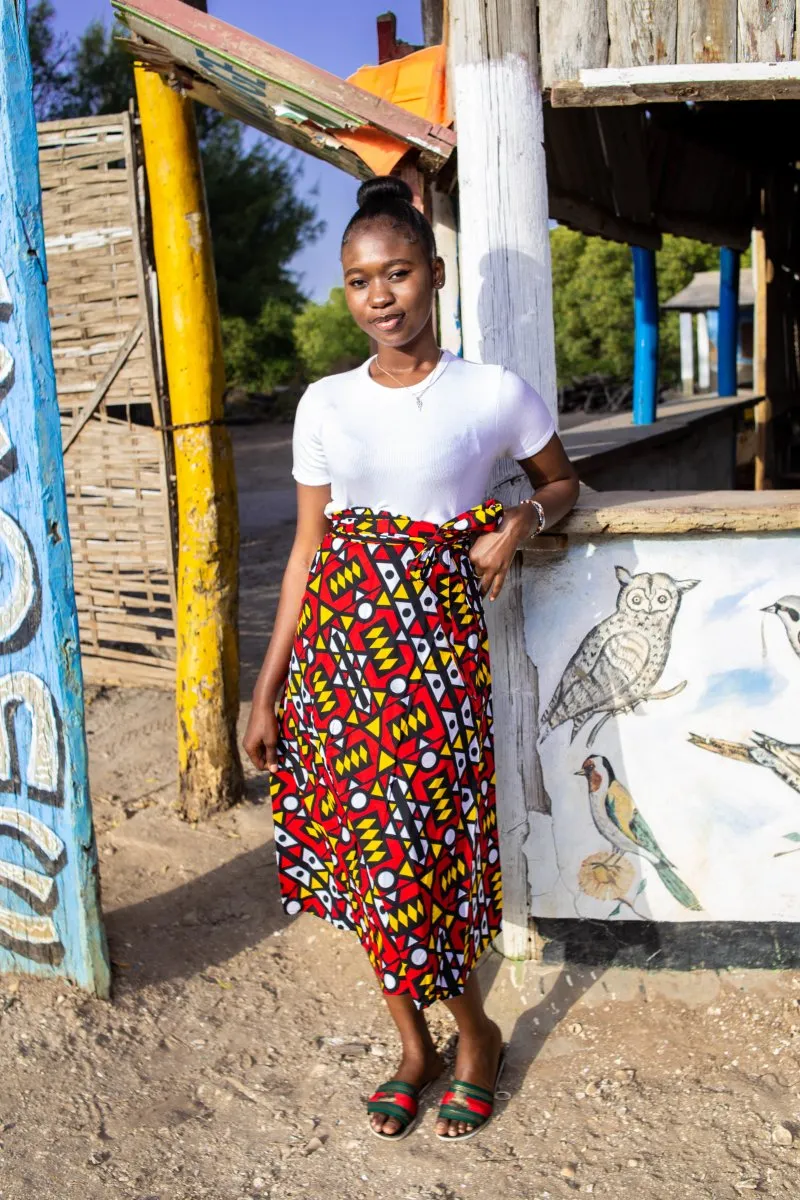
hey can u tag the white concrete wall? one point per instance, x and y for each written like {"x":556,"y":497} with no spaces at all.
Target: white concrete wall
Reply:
{"x":724,"y":812}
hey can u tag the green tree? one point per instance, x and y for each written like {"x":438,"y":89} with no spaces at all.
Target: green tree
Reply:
{"x":259,"y":220}
{"x":327,"y":338}
{"x":593,"y":302}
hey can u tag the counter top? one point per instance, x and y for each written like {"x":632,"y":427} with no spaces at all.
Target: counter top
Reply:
{"x":643,"y":513}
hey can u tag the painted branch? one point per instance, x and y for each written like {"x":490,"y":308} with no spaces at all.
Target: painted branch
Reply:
{"x":46,"y":837}
{"x":208,"y":536}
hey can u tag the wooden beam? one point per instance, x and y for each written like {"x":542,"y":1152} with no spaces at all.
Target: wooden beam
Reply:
{"x":679,"y":83}
{"x":432,"y":21}
{"x":48,"y":860}
{"x":706,"y":31}
{"x":449,"y":297}
{"x":207,"y":668}
{"x":572,"y":36}
{"x":765,"y":30}
{"x":507,"y":318}
{"x":641,"y":32}
{"x":763,"y":410}
{"x":259,"y":76}
{"x":590,"y":218}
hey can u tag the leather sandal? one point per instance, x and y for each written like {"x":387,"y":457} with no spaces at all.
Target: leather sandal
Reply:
{"x":399,"y":1100}
{"x":469,"y":1103}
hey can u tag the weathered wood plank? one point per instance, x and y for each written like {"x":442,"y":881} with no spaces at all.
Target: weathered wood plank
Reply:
{"x":706,"y":31}
{"x":641,"y":32}
{"x":679,"y":83}
{"x":45,"y":818}
{"x":656,"y":513}
{"x":571,"y":37}
{"x":765,"y":30}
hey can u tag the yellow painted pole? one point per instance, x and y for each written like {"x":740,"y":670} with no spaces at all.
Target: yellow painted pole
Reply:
{"x":208,"y":533}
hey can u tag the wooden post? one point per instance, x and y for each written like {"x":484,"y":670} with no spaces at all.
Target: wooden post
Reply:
{"x":49,"y":910}
{"x":703,"y":353}
{"x":763,"y":410}
{"x":207,"y":673}
{"x":728,"y":327}
{"x":449,"y":297}
{"x":507,"y":318}
{"x":687,"y":353}
{"x":645,"y":353}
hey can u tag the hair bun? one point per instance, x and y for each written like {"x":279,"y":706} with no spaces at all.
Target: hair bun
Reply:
{"x":383,"y":188}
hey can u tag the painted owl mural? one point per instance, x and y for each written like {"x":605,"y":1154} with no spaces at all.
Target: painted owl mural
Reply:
{"x":659,"y":618}
{"x":619,"y":662}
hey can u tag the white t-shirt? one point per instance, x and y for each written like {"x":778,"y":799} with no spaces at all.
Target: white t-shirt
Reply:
{"x":378,"y":450}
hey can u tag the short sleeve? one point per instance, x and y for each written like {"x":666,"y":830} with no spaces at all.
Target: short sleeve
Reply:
{"x":309,"y":464}
{"x":524,"y":423}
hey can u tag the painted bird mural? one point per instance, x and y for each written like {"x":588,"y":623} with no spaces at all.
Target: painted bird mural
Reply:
{"x":619,"y":662}
{"x":787,"y":609}
{"x":782,"y":758}
{"x":619,"y":821}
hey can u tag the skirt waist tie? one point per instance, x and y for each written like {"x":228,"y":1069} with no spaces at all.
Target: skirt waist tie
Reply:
{"x":427,"y":538}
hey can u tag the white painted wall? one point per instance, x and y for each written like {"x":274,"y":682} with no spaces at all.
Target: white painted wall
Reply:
{"x":724,"y":822}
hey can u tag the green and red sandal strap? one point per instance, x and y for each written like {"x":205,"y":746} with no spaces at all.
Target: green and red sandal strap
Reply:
{"x":466,"y":1102}
{"x":395,"y":1099}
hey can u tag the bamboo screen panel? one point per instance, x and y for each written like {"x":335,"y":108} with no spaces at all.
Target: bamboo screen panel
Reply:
{"x":103,"y":353}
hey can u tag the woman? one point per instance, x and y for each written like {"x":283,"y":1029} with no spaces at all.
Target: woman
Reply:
{"x":380,"y":754}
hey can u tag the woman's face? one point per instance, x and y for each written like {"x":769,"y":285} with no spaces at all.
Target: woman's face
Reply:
{"x":389,"y":282}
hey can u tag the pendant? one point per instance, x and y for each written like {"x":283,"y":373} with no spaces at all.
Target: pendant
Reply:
{"x":419,"y":403}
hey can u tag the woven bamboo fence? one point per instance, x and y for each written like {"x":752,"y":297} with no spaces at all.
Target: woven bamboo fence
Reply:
{"x":104,"y":349}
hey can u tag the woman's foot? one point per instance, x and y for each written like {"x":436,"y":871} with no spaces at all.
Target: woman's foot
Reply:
{"x":416,"y":1069}
{"x":476,"y":1063}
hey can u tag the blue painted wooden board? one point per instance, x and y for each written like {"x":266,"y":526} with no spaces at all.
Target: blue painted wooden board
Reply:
{"x":49,"y":909}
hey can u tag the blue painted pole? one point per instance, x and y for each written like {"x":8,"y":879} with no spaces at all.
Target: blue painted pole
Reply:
{"x":728,"y":328}
{"x":49,"y":910}
{"x":645,"y":356}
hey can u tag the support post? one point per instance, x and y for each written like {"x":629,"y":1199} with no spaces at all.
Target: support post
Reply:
{"x":763,"y":409}
{"x":645,"y":317}
{"x":507,"y":318}
{"x":449,"y":296}
{"x":687,"y":353}
{"x":49,"y":907}
{"x":207,"y":680}
{"x":703,"y":353}
{"x":728,"y":328}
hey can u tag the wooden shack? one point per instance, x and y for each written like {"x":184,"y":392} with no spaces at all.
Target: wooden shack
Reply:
{"x":627,"y":122}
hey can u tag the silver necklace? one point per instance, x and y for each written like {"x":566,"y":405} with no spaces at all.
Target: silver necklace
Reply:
{"x":428,"y":380}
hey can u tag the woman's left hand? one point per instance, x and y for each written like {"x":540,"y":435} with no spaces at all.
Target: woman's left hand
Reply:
{"x":491,"y":554}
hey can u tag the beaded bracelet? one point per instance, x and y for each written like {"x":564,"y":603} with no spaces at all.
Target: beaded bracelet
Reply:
{"x":539,"y":512}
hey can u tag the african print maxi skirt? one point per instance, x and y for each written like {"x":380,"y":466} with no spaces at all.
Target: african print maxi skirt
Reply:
{"x":384,"y":795}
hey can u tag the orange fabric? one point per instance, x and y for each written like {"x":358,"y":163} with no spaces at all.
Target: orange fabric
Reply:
{"x":417,"y":83}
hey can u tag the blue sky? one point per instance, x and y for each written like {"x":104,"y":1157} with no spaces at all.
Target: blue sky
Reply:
{"x":337,"y":36}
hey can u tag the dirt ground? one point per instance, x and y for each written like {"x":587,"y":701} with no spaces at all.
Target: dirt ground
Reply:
{"x":240,"y":1046}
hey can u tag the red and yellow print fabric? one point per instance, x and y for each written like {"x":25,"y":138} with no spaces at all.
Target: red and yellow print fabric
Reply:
{"x":384,"y":798}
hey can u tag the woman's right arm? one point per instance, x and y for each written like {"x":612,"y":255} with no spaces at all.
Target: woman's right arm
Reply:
{"x":261,"y":736}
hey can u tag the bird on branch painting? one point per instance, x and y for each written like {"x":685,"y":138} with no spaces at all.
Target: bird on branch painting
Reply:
{"x":782,"y":758}
{"x":787,"y":609}
{"x":619,"y":662}
{"x":619,"y":821}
